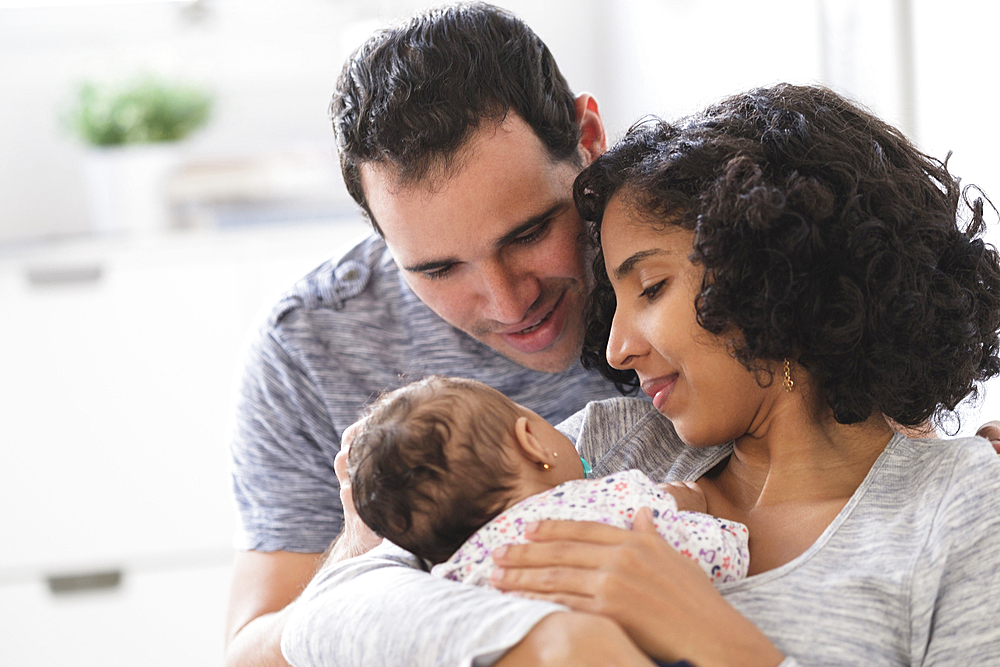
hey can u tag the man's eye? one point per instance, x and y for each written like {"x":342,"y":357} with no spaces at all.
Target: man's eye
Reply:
{"x":533,"y":235}
{"x":651,"y":291}
{"x":439,"y":273}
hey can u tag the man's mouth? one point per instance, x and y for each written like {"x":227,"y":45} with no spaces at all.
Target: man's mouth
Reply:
{"x":537,"y":325}
{"x":541,"y":334}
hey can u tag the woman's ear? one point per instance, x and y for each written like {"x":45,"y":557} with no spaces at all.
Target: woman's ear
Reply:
{"x":593,"y":140}
{"x":531,"y":449}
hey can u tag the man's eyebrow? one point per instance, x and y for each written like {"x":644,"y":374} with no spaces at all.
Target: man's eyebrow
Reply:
{"x":629,"y":264}
{"x":533,"y":221}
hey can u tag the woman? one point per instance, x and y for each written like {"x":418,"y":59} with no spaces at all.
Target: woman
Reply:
{"x":780,"y":274}
{"x":785,"y":271}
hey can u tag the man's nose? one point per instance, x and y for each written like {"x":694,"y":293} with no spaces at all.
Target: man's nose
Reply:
{"x":508,"y":292}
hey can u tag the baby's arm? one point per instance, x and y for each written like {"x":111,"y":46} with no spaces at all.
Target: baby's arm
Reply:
{"x":689,"y":496}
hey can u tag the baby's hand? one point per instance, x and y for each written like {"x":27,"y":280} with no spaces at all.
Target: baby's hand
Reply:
{"x":689,"y":496}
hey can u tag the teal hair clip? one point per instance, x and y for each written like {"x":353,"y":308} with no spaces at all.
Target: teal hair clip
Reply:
{"x":586,"y":466}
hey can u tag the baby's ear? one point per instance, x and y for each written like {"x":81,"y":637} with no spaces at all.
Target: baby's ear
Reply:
{"x":529,"y":445}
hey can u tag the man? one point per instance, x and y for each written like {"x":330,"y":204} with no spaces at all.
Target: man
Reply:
{"x":460,"y":140}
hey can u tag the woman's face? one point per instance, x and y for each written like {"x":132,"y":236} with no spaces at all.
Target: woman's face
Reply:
{"x":693,"y":380}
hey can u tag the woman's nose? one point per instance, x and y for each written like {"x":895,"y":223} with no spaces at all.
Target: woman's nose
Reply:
{"x":624,"y":345}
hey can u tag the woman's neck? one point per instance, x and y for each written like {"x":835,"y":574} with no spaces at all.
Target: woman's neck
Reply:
{"x":795,"y":457}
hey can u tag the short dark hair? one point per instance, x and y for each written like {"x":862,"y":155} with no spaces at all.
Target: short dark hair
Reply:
{"x":429,"y":468}
{"x":826,"y":238}
{"x":411,"y":96}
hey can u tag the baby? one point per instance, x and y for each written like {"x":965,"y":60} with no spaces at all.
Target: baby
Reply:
{"x":450,"y":469}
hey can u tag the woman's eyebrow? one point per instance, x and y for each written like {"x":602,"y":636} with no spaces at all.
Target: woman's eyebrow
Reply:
{"x":629,"y":264}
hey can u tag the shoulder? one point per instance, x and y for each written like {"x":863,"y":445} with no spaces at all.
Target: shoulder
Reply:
{"x":624,"y":433}
{"x":966,"y":472}
{"x":338,"y":281}
{"x":940,"y":489}
{"x":953,"y":467}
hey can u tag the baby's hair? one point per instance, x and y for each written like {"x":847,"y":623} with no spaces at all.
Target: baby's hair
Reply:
{"x":429,"y":468}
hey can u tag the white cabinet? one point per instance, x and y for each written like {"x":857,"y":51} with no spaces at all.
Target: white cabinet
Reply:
{"x":117,"y":365}
{"x":157,"y":619}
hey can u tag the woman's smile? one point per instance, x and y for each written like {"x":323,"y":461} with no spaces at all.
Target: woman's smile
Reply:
{"x":659,"y":389}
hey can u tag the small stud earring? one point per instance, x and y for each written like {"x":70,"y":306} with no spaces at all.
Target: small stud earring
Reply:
{"x":555,"y":455}
{"x":788,"y":383}
{"x":545,"y":466}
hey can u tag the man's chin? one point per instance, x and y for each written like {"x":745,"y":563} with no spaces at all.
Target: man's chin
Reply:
{"x":556,"y":358}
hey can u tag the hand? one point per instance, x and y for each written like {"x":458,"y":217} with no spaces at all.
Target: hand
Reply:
{"x":662,"y":600}
{"x":689,"y":496}
{"x":356,"y":538}
{"x":991,"y":431}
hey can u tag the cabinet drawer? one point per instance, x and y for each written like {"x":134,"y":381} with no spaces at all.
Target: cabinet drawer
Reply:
{"x":164,"y":618}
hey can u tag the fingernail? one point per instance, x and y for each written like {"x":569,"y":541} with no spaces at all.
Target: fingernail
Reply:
{"x":499,"y":552}
{"x":531,"y":528}
{"x":496,"y":576}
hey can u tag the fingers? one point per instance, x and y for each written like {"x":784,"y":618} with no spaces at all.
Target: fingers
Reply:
{"x":644,"y":521}
{"x":542,"y":554}
{"x":576,"y":531}
{"x":569,"y":581}
{"x":991,"y":431}
{"x":340,"y":461}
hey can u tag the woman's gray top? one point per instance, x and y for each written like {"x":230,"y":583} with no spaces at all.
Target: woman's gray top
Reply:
{"x":907,"y":574}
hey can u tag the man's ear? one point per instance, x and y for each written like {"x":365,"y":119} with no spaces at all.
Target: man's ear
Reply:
{"x":593,"y":140}
{"x":531,"y":449}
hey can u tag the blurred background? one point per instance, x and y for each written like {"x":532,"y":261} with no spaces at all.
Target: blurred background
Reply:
{"x":130,"y":273}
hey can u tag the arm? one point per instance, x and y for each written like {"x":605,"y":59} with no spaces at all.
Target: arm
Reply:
{"x":286,"y":491}
{"x":572,"y":638}
{"x":263,"y":586}
{"x":381,"y":609}
{"x":956,"y":589}
{"x":662,"y":600}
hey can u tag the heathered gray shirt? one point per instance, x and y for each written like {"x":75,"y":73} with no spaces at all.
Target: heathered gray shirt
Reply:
{"x":907,"y":574}
{"x":347,"y":331}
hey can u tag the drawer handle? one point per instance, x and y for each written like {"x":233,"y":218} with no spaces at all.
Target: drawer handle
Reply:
{"x":64,"y":584}
{"x":63,"y":275}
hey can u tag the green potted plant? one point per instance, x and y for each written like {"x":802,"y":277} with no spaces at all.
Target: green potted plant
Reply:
{"x":133,"y":130}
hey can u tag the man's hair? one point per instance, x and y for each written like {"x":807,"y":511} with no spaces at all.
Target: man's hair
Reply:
{"x":826,"y":238}
{"x":429,"y":467}
{"x":410,"y":97}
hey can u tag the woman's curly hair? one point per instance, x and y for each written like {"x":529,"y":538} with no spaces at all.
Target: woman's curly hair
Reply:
{"x":826,"y":238}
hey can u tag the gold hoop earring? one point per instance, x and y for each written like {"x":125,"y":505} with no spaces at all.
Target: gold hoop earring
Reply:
{"x":788,"y":383}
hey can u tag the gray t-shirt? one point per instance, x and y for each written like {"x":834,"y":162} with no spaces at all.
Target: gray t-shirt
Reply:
{"x":347,"y":331}
{"x":905,"y":575}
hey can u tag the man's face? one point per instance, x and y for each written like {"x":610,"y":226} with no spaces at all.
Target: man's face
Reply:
{"x":493,"y":248}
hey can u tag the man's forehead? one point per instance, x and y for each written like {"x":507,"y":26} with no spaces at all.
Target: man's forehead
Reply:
{"x":430,"y":174}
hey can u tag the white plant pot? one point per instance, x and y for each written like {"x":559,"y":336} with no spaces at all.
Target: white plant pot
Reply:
{"x":125,"y":186}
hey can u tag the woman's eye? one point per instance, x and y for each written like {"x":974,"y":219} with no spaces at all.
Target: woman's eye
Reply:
{"x":651,"y":291}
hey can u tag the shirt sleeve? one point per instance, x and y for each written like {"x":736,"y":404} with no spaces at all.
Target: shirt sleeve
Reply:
{"x":283,"y":444}
{"x":380,"y":609}
{"x":956,"y":587}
